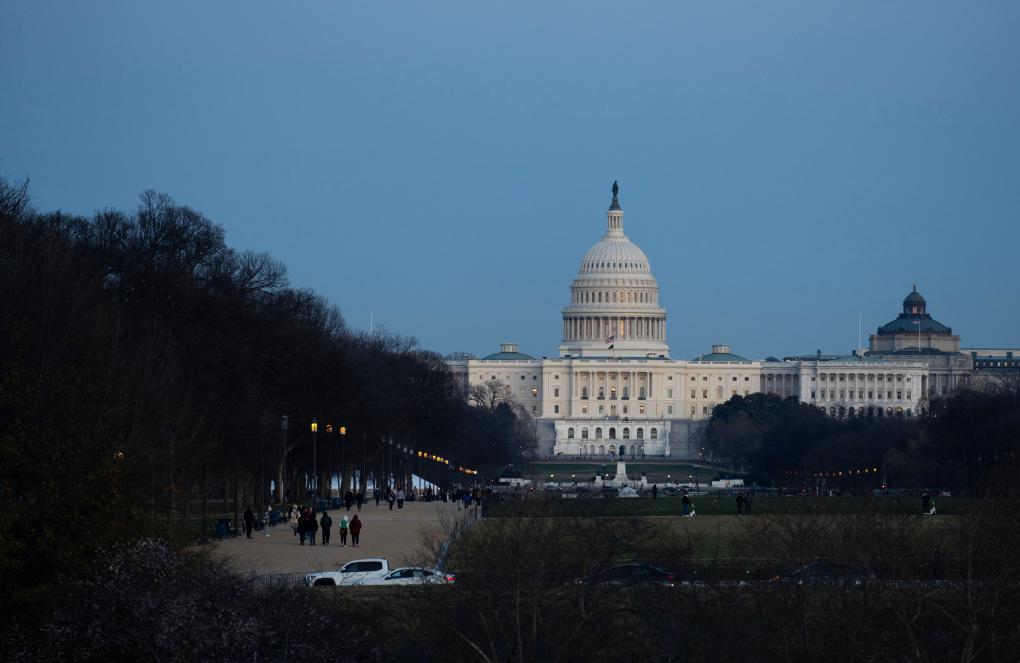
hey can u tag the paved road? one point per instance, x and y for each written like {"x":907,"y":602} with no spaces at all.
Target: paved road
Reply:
{"x":395,"y":535}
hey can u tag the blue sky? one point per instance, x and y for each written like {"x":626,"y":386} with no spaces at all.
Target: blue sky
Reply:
{"x":786,"y":166}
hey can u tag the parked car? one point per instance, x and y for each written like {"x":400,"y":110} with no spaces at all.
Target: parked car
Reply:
{"x":351,"y":573}
{"x":411,"y":575}
{"x":631,"y":574}
{"x":826,"y":573}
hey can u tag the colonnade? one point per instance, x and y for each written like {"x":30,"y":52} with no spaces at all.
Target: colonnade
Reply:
{"x":586,"y":328}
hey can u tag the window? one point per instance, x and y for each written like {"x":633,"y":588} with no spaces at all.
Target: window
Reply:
{"x":626,"y":433}
{"x":669,"y":409}
{"x":642,"y":409}
{"x":655,"y":433}
{"x":523,"y":377}
{"x":747,"y":379}
{"x":694,"y":393}
{"x":556,"y":409}
{"x":718,"y":392}
{"x":602,"y":393}
{"x":584,"y":433}
{"x":584,"y":408}
{"x":534,"y":392}
{"x":556,"y":392}
{"x":534,"y":409}
{"x":570,"y":433}
{"x":602,"y":409}
{"x":704,"y":410}
{"x":692,"y":410}
{"x":669,"y":392}
{"x":908,"y":394}
{"x":704,"y":393}
{"x":534,"y":377}
{"x":641,"y":433}
{"x":641,"y":393}
{"x":899,"y":395}
{"x":584,"y":392}
{"x":612,"y":393}
{"x":734,"y":378}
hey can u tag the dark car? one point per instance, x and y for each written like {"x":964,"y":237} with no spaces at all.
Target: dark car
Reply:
{"x":631,"y":574}
{"x":827,"y":573}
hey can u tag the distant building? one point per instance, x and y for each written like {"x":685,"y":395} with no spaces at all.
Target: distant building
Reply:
{"x":614,"y":391}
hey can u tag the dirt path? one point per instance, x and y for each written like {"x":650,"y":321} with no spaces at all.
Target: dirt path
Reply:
{"x":395,"y":535}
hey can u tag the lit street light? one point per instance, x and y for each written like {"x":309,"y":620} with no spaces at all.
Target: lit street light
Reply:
{"x":315,"y":460}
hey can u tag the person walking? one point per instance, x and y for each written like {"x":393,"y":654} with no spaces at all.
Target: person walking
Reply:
{"x":343,"y":531}
{"x":348,"y":500}
{"x":302,"y":527}
{"x":293,"y":521}
{"x":655,"y":491}
{"x":360,"y":499}
{"x":313,"y":527}
{"x":740,"y":503}
{"x":390,"y":497}
{"x":377,"y":496}
{"x":326,"y":523}
{"x":355,"y":531}
{"x":249,"y":521}
{"x":686,"y":504}
{"x":400,"y":498}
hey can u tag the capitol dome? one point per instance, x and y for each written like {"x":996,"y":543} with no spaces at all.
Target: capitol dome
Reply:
{"x":614,"y":300}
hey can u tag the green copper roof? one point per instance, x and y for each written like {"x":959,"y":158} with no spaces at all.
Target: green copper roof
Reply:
{"x":508,"y":355}
{"x":909,"y":322}
{"x":719,"y":357}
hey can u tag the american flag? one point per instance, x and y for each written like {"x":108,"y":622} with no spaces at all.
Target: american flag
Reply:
{"x":610,"y":341}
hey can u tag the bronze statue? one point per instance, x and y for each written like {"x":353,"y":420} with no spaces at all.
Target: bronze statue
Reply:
{"x":616,"y":189}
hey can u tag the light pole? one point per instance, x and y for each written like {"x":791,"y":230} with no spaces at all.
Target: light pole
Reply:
{"x":315,"y":460}
{"x":283,"y":473}
{"x":389,"y":473}
{"x":343,"y":453}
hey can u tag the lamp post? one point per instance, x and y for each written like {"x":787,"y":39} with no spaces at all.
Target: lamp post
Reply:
{"x":283,"y":466}
{"x":343,"y":467}
{"x":315,"y":459}
{"x":329,"y":461}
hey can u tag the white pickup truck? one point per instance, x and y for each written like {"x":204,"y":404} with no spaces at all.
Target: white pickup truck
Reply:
{"x":351,"y":573}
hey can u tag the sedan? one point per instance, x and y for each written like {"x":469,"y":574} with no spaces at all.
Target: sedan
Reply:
{"x":631,"y":574}
{"x":412,"y":575}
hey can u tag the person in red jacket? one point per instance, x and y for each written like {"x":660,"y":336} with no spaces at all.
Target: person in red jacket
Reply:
{"x":355,"y":530}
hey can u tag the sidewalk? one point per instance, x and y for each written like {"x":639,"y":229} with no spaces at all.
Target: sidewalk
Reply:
{"x":395,"y":535}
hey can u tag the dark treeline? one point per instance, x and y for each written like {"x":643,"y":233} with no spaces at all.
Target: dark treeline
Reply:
{"x":145,"y":365}
{"x":962,"y":443}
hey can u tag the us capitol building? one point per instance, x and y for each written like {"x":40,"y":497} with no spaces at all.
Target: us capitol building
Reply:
{"x":615,"y":391}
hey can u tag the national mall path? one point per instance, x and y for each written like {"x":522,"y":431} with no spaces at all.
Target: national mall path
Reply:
{"x":395,"y":535}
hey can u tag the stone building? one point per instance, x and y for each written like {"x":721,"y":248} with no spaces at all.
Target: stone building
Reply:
{"x":615,"y":391}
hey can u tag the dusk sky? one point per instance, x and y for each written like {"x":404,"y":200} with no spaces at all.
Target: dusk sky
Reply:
{"x":444,"y":166}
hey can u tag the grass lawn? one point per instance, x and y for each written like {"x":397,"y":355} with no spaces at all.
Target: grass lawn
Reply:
{"x":722,"y":505}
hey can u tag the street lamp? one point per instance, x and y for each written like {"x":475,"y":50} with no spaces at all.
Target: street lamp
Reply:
{"x":283,"y":473}
{"x":315,"y":457}
{"x":343,"y":467}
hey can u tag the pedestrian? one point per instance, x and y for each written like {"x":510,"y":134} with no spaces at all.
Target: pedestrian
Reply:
{"x":302,"y":527}
{"x":360,"y":499}
{"x":740,"y":503}
{"x":326,"y":523}
{"x":343,"y":531}
{"x":390,"y":497}
{"x":313,"y":527}
{"x":292,"y":520}
{"x":400,"y":498}
{"x":376,"y":492}
{"x":249,"y":521}
{"x":655,"y":492}
{"x":467,"y":500}
{"x":348,"y":499}
{"x":926,"y":502}
{"x":355,"y":531}
{"x":686,"y":504}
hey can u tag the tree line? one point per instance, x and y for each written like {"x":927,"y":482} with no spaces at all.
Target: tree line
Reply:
{"x":146,"y":365}
{"x":961,"y":443}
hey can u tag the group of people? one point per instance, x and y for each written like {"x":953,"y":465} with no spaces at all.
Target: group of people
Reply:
{"x":305,"y":526}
